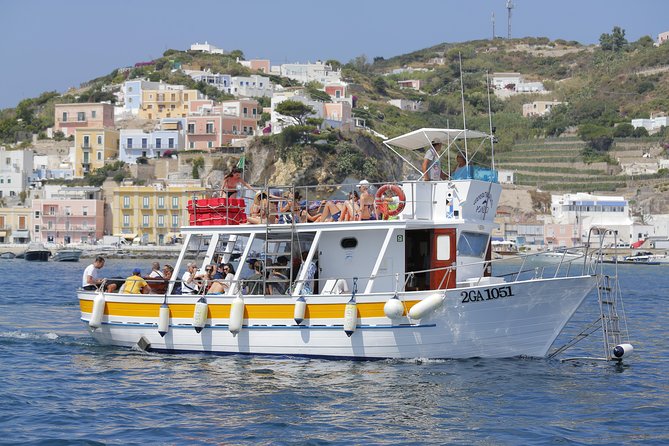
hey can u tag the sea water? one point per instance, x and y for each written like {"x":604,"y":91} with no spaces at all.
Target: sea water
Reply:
{"x":57,"y":386}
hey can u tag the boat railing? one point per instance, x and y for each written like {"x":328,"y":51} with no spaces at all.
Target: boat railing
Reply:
{"x":276,"y":204}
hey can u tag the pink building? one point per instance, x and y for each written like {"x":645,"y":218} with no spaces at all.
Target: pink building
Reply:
{"x":70,"y":215}
{"x":563,"y":235}
{"x":68,"y":117}
{"x":261,"y":65}
{"x":336,"y":91}
{"x":338,"y":112}
{"x":218,"y":126}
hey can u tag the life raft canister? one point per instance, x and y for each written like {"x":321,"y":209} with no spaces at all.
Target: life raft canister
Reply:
{"x":383,"y":205}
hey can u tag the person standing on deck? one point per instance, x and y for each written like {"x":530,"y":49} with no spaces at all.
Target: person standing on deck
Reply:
{"x":432,"y":163}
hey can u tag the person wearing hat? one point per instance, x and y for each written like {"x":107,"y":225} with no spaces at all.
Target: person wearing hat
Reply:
{"x":366,"y":202}
{"x":135,"y":284}
{"x":432,"y":163}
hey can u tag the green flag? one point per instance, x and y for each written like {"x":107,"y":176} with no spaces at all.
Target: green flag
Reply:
{"x":240,"y":164}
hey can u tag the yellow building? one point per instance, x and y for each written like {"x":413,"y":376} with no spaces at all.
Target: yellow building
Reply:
{"x":154,"y":213}
{"x":94,"y":147}
{"x":15,"y":224}
{"x":158,"y":104}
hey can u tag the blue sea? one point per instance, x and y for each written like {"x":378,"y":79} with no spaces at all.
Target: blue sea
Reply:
{"x":58,"y":387}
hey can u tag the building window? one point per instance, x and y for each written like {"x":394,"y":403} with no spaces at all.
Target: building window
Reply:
{"x":49,"y":225}
{"x":100,"y":155}
{"x":145,"y":202}
{"x":210,"y":127}
{"x":175,"y":202}
{"x":52,"y":210}
{"x":210,"y":144}
{"x":144,"y":143}
{"x":126,"y":220}
{"x":158,"y":143}
{"x":128,"y":143}
{"x":68,"y":211}
{"x":170,"y":143}
{"x":22,"y":222}
{"x":175,"y":220}
{"x":99,"y":139}
{"x":161,"y":202}
{"x":191,"y":128}
{"x":64,"y":116}
{"x":87,"y":141}
{"x":81,"y":116}
{"x":126,"y":202}
{"x":84,"y":211}
{"x":36,"y":214}
{"x":145,"y":221}
{"x":93,"y":114}
{"x":161,"y":221}
{"x":36,"y":229}
{"x":191,"y":144}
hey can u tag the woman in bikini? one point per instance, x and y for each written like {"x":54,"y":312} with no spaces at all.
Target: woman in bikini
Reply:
{"x":230,"y":183}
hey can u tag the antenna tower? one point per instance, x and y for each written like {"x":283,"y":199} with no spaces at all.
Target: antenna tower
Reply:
{"x":509,"y":7}
{"x":493,"y":26}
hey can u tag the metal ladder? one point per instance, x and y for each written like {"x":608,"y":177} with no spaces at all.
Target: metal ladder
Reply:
{"x":607,"y":295}
{"x":279,"y":241}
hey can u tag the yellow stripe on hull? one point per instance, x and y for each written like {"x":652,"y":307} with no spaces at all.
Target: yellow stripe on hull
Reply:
{"x":251,"y":311}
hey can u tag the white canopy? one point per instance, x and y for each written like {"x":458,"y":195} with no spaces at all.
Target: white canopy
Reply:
{"x":423,"y":137}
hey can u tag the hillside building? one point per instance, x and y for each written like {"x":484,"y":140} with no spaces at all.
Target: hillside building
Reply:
{"x":168,"y":137}
{"x":93,"y":147}
{"x":539,"y":108}
{"x":15,"y":223}
{"x":69,"y":117}
{"x":16,"y":168}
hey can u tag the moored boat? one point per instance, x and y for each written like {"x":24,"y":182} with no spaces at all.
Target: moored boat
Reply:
{"x":67,"y":255}
{"x":415,"y":282}
{"x":36,"y":252}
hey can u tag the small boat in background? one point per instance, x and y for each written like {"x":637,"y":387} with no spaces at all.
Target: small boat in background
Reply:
{"x":67,"y":255}
{"x":36,"y":252}
{"x":7,"y":255}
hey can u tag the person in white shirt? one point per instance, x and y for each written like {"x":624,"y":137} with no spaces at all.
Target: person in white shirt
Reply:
{"x":432,"y":163}
{"x":189,"y":284}
{"x":91,"y":279}
{"x":155,"y":271}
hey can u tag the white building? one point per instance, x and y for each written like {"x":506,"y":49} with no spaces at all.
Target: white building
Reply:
{"x":206,"y":47}
{"x":653,"y":124}
{"x":251,"y":86}
{"x":407,"y":105}
{"x":46,"y":167}
{"x":16,"y":169}
{"x":307,"y":72}
{"x":506,"y":176}
{"x":501,"y":80}
{"x":585,"y":211}
{"x":169,"y":136}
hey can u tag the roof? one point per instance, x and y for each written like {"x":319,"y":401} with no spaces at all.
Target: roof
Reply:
{"x":422,"y":137}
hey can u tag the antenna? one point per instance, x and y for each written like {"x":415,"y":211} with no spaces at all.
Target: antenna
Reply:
{"x":493,"y":25}
{"x":509,"y":7}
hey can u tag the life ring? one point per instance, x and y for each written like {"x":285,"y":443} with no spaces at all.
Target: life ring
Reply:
{"x":399,"y":193}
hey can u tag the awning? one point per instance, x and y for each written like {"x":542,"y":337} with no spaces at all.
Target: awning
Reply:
{"x":21,"y":234}
{"x":422,"y":137}
{"x":3,"y":233}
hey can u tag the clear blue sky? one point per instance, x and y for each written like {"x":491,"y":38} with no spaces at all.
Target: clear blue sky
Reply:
{"x":48,"y":45}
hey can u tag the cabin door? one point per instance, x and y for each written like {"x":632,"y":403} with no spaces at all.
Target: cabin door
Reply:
{"x":442,"y":256}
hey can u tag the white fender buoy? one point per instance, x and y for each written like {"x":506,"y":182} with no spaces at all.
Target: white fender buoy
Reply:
{"x":427,"y":305}
{"x":300,"y":310}
{"x":236,"y":315}
{"x":350,"y":317}
{"x":163,"y":320}
{"x":200,"y":314}
{"x":622,"y":350}
{"x":394,"y":309}
{"x":98,"y":311}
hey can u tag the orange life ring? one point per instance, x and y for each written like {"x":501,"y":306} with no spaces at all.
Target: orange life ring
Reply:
{"x":399,"y":193}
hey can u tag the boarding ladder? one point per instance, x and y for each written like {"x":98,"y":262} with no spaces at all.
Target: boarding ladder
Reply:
{"x":608,"y":294}
{"x":280,"y":238}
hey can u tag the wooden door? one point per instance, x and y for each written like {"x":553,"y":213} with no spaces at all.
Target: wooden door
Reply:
{"x":443,"y":255}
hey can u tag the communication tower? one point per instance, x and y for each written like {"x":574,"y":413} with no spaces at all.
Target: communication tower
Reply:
{"x":509,"y":7}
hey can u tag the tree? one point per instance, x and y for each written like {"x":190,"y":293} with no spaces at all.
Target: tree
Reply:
{"x":615,"y":41}
{"x":295,"y":110}
{"x":640,"y":132}
{"x":623,"y":130}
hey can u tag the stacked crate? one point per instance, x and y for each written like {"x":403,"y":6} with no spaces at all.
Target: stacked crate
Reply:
{"x":217,"y":211}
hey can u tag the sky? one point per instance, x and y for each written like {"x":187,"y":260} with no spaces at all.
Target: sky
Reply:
{"x":47,"y":45}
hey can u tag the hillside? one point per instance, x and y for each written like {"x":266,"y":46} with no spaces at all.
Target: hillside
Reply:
{"x":577,"y":147}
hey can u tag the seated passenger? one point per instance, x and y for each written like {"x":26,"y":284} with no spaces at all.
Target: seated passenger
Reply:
{"x":461,"y":171}
{"x":91,"y":279}
{"x":277,"y":282}
{"x":136,"y":284}
{"x":161,"y":286}
{"x":366,"y":202}
{"x":258,"y":210}
{"x":189,"y":283}
{"x":254,"y":283}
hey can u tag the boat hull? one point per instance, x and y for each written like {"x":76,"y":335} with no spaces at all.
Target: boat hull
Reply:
{"x":66,"y":256}
{"x":37,"y":256}
{"x":494,"y":321}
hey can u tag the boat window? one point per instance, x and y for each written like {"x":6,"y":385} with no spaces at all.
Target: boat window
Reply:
{"x":443,"y":247}
{"x":472,"y":244}
{"x":349,"y":243}
{"x":229,"y":249}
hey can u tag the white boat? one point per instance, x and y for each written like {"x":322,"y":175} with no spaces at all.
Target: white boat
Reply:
{"x":67,"y":255}
{"x":417,"y":285}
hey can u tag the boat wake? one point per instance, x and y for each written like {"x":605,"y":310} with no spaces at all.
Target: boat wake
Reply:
{"x":16,"y":336}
